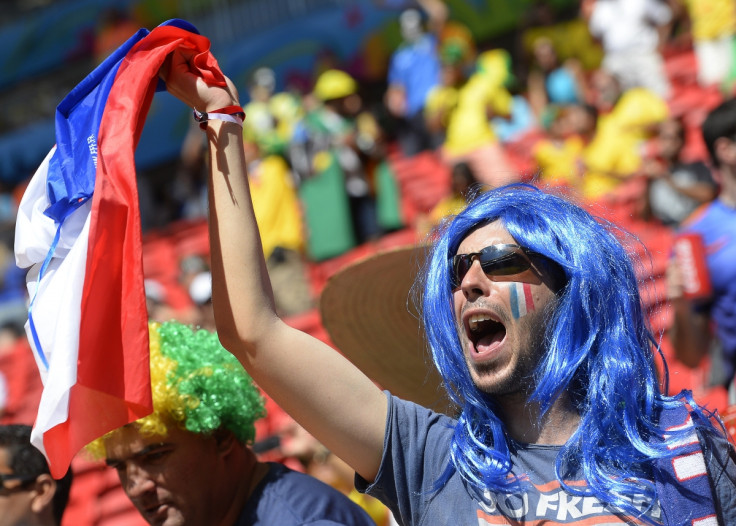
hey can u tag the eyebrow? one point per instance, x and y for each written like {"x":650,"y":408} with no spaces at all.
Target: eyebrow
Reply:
{"x":112,"y":462}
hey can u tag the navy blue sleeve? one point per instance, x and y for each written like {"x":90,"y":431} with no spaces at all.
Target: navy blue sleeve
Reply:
{"x":415,"y":454}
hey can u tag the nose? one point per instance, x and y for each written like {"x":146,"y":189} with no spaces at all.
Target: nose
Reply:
{"x":136,"y":481}
{"x":475,"y":284}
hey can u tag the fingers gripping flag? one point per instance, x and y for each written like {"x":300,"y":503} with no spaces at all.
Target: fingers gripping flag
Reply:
{"x":78,"y":229}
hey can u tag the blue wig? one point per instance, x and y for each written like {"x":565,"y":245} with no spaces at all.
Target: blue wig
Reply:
{"x":598,"y":349}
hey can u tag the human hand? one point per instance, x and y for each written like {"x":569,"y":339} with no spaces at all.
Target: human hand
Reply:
{"x":675,"y":285}
{"x":183,"y":81}
{"x":653,"y":168}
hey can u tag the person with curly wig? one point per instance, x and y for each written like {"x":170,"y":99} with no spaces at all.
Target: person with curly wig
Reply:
{"x":535,"y":322}
{"x":188,"y":463}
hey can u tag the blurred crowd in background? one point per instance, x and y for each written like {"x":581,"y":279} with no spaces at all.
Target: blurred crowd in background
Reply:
{"x":602,"y":101}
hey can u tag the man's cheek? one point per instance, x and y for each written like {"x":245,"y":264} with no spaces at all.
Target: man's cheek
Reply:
{"x":521,"y":300}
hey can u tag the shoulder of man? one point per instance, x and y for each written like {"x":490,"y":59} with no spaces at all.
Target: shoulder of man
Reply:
{"x":291,"y":498}
{"x":700,"y":480}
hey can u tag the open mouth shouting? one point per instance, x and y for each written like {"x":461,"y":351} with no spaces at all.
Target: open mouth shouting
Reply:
{"x":485,"y":332}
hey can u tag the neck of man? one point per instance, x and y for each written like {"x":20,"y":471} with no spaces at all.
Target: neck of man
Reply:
{"x":245,"y":476}
{"x":46,"y":518}
{"x":523,"y":424}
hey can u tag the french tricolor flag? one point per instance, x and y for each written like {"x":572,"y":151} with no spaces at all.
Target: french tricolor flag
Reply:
{"x":78,"y":230}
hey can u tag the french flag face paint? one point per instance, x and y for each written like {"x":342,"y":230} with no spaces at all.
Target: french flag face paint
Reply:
{"x":521,"y":300}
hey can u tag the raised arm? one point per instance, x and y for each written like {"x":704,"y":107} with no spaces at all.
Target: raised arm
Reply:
{"x":318,"y":387}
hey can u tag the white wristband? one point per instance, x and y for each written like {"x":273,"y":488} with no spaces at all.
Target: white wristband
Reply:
{"x":237,"y":119}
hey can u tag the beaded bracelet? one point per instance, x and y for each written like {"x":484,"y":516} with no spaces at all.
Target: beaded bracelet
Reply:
{"x":233,"y":114}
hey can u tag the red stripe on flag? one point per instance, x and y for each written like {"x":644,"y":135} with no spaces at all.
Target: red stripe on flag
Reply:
{"x":113,"y":378}
{"x":528,"y":297}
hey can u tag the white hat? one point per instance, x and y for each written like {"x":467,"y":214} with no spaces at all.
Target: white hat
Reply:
{"x":200,"y":289}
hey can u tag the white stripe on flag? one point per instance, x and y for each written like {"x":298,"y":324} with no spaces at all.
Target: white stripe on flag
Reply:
{"x":56,"y":309}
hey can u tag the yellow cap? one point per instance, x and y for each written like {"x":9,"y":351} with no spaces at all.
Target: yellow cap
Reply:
{"x":334,"y":84}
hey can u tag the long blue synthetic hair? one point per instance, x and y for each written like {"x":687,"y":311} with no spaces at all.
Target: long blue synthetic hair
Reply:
{"x":598,"y":349}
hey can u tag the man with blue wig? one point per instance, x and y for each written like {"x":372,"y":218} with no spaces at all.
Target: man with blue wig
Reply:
{"x":535,"y":323}
{"x":188,"y":463}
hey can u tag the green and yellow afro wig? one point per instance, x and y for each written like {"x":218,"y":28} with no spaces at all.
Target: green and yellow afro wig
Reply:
{"x":197,"y":385}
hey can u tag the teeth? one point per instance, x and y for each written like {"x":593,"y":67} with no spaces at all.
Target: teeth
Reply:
{"x":476,"y":319}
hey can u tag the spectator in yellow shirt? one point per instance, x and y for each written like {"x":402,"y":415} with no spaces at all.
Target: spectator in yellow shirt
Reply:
{"x":712,"y":26}
{"x":462,"y":187}
{"x":470,"y":135}
{"x":559,"y":156}
{"x":614,"y":155}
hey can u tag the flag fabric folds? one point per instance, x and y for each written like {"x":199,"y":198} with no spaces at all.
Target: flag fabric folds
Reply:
{"x":78,"y":230}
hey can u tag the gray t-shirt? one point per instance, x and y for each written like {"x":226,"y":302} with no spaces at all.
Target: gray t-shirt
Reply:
{"x":416,"y":453}
{"x":673,"y":207}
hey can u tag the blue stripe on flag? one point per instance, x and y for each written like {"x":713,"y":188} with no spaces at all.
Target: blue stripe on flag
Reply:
{"x":514,"y":302}
{"x":71,"y":177}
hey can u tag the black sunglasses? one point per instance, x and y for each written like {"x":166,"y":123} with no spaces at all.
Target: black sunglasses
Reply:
{"x":495,"y":260}
{"x":6,"y":477}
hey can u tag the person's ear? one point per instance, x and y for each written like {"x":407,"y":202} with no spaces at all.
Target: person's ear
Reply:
{"x":43,"y":492}
{"x":225,"y":441}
